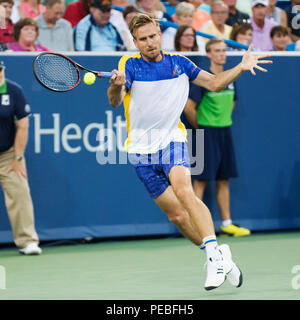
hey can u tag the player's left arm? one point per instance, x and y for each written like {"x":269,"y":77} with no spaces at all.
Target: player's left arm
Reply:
{"x":220,"y":81}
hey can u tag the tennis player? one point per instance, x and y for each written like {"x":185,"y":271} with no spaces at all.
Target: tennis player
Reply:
{"x":154,"y":87}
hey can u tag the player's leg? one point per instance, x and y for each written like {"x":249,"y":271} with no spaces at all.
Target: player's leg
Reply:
{"x":176,"y":213}
{"x":180,"y":180}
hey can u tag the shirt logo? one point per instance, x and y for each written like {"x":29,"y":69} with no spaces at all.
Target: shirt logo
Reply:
{"x":177,"y":71}
{"x":5,"y":101}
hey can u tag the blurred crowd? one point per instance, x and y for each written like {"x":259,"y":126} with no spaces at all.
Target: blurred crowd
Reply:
{"x":103,"y":25}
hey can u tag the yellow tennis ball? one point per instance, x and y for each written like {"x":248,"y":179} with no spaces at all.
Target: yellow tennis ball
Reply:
{"x":89,"y":78}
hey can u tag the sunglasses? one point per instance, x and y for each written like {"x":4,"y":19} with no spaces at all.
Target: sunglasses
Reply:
{"x":1,"y":68}
{"x":105,"y":9}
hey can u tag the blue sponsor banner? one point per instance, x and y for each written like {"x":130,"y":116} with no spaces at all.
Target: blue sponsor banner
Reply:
{"x":82,"y":188}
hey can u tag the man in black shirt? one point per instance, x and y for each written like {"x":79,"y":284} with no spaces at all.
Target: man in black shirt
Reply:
{"x":293,"y":17}
{"x":14,"y":112}
{"x":234,"y":14}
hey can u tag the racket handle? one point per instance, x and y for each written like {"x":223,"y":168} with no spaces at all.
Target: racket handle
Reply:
{"x":106,"y":74}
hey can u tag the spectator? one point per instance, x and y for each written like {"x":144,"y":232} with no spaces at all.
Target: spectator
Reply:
{"x":128,"y":14}
{"x":276,"y":14}
{"x":217,"y":27}
{"x":116,"y":16}
{"x":55,"y":33}
{"x":185,"y":39}
{"x":77,"y":10}
{"x":242,"y":33}
{"x":293,"y":20}
{"x":280,"y":38}
{"x":184,"y":16}
{"x":261,"y":26}
{"x":95,"y":33}
{"x":26,"y":31}
{"x":150,"y":7}
{"x":14,"y":112}
{"x":4,"y":47}
{"x":244,"y":6}
{"x":234,"y":14}
{"x":15,"y":17}
{"x":200,"y":17}
{"x":212,"y":111}
{"x":206,"y":6}
{"x":7,"y":28}
{"x":30,"y":8}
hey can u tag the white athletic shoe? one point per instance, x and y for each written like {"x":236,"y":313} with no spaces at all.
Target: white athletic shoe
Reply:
{"x":233,"y":273}
{"x":215,"y":274}
{"x":31,"y":249}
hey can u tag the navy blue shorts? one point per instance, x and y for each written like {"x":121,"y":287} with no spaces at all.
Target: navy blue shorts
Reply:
{"x":153,"y":169}
{"x":219,"y":157}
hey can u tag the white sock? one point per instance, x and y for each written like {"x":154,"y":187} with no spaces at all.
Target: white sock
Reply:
{"x":226,"y":223}
{"x":211,"y":247}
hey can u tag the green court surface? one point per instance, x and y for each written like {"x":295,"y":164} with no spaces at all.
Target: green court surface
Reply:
{"x":168,"y":269}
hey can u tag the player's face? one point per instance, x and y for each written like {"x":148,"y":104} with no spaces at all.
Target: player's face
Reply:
{"x":217,"y":53}
{"x":148,"y":40}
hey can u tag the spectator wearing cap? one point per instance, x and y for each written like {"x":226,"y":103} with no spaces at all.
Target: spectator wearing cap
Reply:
{"x":217,"y":27}
{"x":26,"y":31}
{"x":280,"y":38}
{"x":261,"y":26}
{"x":95,"y":33}
{"x":7,"y":29}
{"x":14,"y":123}
{"x":56,"y":33}
{"x":235,"y":15}
{"x":77,"y":10}
{"x":293,"y":20}
{"x":185,"y":13}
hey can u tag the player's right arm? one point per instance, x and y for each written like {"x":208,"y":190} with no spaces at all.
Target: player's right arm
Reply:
{"x":117,"y":89}
{"x":190,"y":113}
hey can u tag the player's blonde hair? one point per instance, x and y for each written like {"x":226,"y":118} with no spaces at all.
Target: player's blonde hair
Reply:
{"x":140,"y":20}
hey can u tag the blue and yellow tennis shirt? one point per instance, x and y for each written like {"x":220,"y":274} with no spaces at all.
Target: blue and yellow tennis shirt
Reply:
{"x":156,"y":95}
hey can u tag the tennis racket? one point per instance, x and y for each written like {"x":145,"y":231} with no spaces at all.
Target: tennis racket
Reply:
{"x":58,"y":73}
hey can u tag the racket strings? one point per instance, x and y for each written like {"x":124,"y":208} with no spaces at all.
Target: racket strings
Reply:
{"x":56,"y":72}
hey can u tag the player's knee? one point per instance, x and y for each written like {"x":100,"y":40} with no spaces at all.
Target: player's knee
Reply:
{"x":177,"y":217}
{"x":184,"y":194}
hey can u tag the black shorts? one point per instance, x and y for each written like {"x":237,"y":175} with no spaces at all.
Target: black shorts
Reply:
{"x":219,"y":157}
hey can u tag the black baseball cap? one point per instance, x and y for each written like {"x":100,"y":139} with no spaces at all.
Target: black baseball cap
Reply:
{"x":102,"y":4}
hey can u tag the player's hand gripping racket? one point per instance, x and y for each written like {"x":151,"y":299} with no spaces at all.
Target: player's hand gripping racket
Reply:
{"x":59,"y":73}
